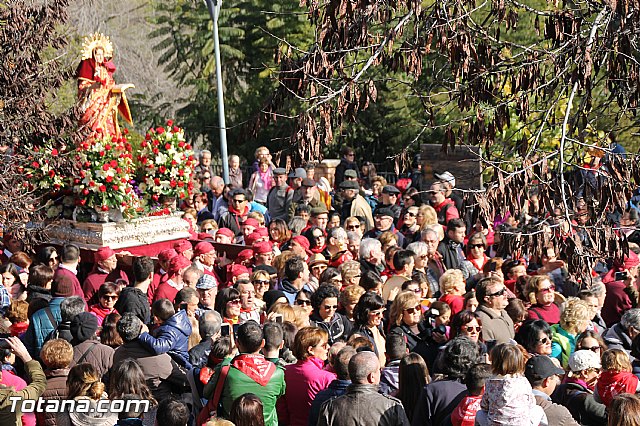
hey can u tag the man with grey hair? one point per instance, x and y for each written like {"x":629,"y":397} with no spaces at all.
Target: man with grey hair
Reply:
{"x":191,"y":275}
{"x":362,"y":404}
{"x":337,"y":246}
{"x":160,"y":371}
{"x":434,"y":267}
{"x":235,"y":172}
{"x":209,"y":325}
{"x":69,"y":309}
{"x":371,"y":256}
{"x":621,"y":335}
{"x":204,"y":162}
{"x":420,"y":261}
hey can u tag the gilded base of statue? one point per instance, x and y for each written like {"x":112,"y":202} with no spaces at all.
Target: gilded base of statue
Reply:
{"x":117,"y":235}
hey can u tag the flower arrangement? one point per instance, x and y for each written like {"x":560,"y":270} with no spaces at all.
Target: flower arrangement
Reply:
{"x":106,"y":169}
{"x":166,"y":164}
{"x":41,"y":169}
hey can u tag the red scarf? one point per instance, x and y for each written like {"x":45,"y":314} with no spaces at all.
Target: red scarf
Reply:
{"x":478,"y":263}
{"x":256,"y":367}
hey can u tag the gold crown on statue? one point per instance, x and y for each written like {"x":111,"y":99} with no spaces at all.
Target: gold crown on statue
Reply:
{"x":96,"y":40}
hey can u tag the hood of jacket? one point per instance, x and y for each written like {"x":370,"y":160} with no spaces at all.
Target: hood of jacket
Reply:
{"x":181,"y":322}
{"x":287,"y":287}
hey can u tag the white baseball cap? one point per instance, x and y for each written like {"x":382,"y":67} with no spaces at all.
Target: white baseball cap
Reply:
{"x":446,"y":177}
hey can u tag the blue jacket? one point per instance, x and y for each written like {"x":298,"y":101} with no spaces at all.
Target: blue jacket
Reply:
{"x":40,"y":327}
{"x":336,"y":388}
{"x":172,"y":337}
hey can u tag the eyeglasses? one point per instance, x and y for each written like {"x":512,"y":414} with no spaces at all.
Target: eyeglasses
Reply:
{"x":110,"y":297}
{"x":470,"y":328}
{"x":206,"y":177}
{"x":592,"y":348}
{"x":549,"y":289}
{"x":411,"y":311}
{"x":301,"y":302}
{"x":317,"y":237}
{"x":237,"y":201}
{"x":476,"y":246}
{"x":498,"y":293}
{"x":234,"y":301}
{"x":330,"y":307}
{"x":378,"y":313}
{"x":410,"y":214}
{"x":545,"y":340}
{"x":261,"y":282}
{"x":352,"y":227}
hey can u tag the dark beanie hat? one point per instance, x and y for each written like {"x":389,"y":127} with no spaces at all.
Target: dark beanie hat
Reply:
{"x":83,"y":326}
{"x":62,"y":287}
{"x":271,"y":296}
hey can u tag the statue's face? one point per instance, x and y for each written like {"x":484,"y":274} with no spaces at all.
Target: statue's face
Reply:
{"x":98,"y":55}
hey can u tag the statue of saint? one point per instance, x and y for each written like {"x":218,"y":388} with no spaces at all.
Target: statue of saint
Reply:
{"x":100,"y":98}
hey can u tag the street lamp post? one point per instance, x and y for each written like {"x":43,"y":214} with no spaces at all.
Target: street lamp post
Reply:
{"x":214,"y":11}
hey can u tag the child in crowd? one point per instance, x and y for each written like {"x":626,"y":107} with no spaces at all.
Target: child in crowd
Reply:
{"x":508,"y":398}
{"x":441,"y":314}
{"x":172,"y":334}
{"x":17,"y":314}
{"x":453,"y":286}
{"x":616,"y":377}
{"x":465,"y":413}
{"x":470,"y":301}
{"x":396,"y":349}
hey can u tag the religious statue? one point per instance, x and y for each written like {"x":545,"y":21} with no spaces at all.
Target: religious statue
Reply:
{"x":100,"y":98}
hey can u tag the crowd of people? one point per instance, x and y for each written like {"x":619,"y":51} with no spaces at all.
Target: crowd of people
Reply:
{"x":357,"y":303}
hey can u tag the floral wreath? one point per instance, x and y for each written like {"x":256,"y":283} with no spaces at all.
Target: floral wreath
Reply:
{"x":94,"y":40}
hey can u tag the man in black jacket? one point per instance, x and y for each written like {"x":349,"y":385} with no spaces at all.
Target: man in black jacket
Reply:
{"x":451,"y":247}
{"x":362,"y":404}
{"x":134,"y":299}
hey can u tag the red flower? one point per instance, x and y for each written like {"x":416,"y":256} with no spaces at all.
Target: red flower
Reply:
{"x":101,"y":153}
{"x":156,"y":150}
{"x":188,"y":146}
{"x":104,"y":208}
{"x":169,"y":123}
{"x":174,"y":162}
{"x":52,"y":173}
{"x":105,"y":167}
{"x":125,"y":131}
{"x":113,"y":163}
{"x":76,"y":181}
{"x":173,"y":183}
{"x":181,"y":195}
{"x":156,"y":142}
{"x":155,"y":197}
{"x":114,"y":139}
{"x":116,"y":187}
{"x":83,"y":202}
{"x":123,"y":204}
{"x":181,"y":184}
{"x":118,"y":170}
{"x":160,"y":130}
{"x":156,"y":181}
{"x":123,"y":180}
{"x":85,"y":191}
{"x":147,"y":137}
{"x":56,"y":186}
{"x":181,"y":172}
{"x":176,"y":129}
{"x":54,"y":152}
{"x":107,"y":147}
{"x":143,"y":144}
{"x":87,"y":164}
{"x":103,"y":188}
{"x":127,"y":189}
{"x":181,"y":144}
{"x":109,"y":179}
{"x":167,"y":146}
{"x":163,"y":169}
{"x":35,"y":165}
{"x":92,"y":184}
{"x":82,"y":174}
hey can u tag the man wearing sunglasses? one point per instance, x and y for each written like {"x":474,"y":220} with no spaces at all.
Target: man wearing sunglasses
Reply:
{"x":492,"y":298}
{"x":238,"y":211}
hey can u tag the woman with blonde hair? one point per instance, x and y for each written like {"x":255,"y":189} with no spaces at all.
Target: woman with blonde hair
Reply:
{"x":350,"y":271}
{"x":83,"y":384}
{"x":406,"y":320}
{"x":452,"y":285}
{"x":349,"y":297}
{"x":575,"y":319}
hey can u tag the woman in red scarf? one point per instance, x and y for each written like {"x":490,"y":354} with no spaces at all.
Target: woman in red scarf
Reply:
{"x":476,"y":257}
{"x":108,"y":294}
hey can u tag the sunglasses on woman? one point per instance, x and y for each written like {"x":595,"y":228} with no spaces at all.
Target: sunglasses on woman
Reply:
{"x":301,"y":302}
{"x":592,"y":348}
{"x":470,"y":328}
{"x":411,"y":311}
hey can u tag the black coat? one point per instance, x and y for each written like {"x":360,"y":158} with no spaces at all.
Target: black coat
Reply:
{"x":581,"y":404}
{"x":135,"y":301}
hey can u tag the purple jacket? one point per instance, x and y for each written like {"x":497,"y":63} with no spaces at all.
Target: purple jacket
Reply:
{"x":304,"y":380}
